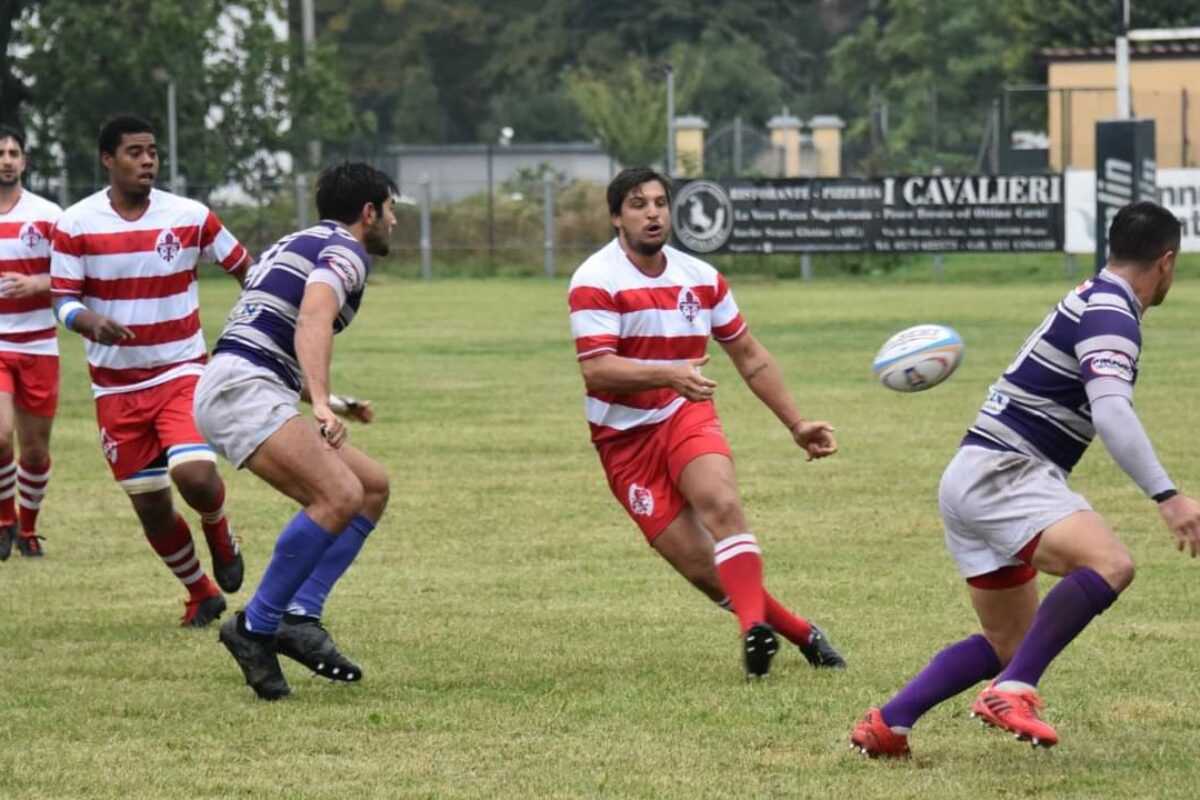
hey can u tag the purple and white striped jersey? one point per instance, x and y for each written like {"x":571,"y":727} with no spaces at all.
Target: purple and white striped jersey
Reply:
{"x":1039,"y":406}
{"x":262,"y":325}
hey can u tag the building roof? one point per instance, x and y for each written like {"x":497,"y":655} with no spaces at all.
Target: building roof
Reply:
{"x":1184,"y":49}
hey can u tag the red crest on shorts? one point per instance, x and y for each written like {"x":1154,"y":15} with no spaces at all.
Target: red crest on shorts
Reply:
{"x":108,"y":446}
{"x":641,"y":501}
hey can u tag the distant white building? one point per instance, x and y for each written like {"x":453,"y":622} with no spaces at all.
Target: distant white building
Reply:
{"x":459,"y":170}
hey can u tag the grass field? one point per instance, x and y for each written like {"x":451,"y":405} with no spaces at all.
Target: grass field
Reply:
{"x":518,"y":637}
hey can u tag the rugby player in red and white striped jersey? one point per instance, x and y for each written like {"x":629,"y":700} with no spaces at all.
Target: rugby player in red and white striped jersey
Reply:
{"x":28,"y":350}
{"x":123,"y":274}
{"x":642,"y":313}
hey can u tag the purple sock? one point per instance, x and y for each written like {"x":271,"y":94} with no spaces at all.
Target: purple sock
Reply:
{"x":1064,"y":613}
{"x":957,"y":668}
{"x":309,"y":600}
{"x":298,"y":550}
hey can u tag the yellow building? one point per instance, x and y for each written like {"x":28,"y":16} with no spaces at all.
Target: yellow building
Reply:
{"x":1164,"y":79}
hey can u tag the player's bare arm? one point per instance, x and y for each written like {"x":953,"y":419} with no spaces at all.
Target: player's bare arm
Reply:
{"x":77,"y":317}
{"x":314,"y":350}
{"x":761,"y":373}
{"x":613,"y":373}
{"x":346,"y":406}
{"x":17,"y":285}
{"x":1182,"y":515}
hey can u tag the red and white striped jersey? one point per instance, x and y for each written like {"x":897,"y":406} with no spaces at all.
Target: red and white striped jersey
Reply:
{"x":27,"y":323}
{"x":616,"y":308}
{"x":141,"y":273}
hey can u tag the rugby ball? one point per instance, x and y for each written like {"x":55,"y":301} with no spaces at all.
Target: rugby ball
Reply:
{"x":918,"y":358}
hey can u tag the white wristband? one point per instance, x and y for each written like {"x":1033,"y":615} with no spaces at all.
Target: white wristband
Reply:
{"x":67,"y":309}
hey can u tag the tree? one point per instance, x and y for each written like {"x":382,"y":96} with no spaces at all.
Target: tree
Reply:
{"x":238,"y":96}
{"x":13,"y":92}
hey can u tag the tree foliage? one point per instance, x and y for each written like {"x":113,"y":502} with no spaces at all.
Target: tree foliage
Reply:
{"x":237,"y":97}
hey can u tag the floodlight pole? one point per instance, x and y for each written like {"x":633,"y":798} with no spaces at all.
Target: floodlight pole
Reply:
{"x":1124,"y":106}
{"x":161,"y":75}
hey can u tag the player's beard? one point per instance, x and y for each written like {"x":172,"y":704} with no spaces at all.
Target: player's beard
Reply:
{"x":8,"y":183}
{"x":644,"y":247}
{"x":375,"y":239}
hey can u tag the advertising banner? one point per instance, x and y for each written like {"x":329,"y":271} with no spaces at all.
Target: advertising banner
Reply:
{"x":917,"y":214}
{"x":1178,"y":190}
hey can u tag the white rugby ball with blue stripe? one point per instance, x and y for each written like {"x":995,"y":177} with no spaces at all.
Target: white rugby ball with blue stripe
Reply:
{"x":918,"y":358}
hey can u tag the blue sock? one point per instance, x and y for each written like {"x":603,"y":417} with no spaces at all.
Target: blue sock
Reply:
{"x":298,"y":550}
{"x":310,"y":599}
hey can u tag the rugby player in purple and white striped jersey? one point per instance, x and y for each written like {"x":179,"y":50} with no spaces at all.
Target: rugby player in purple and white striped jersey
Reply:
{"x":1009,"y":513}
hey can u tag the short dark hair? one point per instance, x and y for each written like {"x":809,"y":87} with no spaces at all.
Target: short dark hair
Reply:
{"x":9,"y":132}
{"x":112,"y":131}
{"x":342,"y":189}
{"x":629,"y":179}
{"x":1141,"y":232}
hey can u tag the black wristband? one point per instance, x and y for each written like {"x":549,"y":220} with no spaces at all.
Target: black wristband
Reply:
{"x":1164,"y":496}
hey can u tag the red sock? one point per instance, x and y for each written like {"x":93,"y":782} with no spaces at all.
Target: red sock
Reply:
{"x":8,"y":491}
{"x":795,"y":629}
{"x":179,"y":554}
{"x":31,"y":486}
{"x":215,"y":525}
{"x":739,"y":566}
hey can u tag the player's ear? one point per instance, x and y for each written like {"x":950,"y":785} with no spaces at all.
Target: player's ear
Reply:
{"x":368,"y":215}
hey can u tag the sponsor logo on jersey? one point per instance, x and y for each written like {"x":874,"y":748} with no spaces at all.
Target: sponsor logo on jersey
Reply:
{"x":168,"y":245}
{"x":995,"y":403}
{"x":1112,"y":364}
{"x":343,"y":269}
{"x":31,"y":236}
{"x":108,"y":446}
{"x":689,"y":304}
{"x":641,"y":501}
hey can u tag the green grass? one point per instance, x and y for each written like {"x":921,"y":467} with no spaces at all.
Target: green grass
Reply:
{"x":519,"y":638}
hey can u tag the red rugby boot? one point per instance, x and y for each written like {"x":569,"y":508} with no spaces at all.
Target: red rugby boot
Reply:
{"x":1015,"y":712}
{"x":872,"y":737}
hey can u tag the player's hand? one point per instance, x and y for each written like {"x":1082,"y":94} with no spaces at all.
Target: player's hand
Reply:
{"x":815,"y":437}
{"x":101,"y":328}
{"x":686,"y":379}
{"x":1182,"y":515}
{"x":332,"y":429}
{"x":18,"y":284}
{"x":359,"y":411}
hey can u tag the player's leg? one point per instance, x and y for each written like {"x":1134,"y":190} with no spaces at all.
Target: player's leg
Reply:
{"x":33,"y":475}
{"x":133,"y":452}
{"x":1096,"y":567}
{"x":36,"y":402}
{"x":9,"y":527}
{"x":301,"y":635}
{"x":192,"y":465}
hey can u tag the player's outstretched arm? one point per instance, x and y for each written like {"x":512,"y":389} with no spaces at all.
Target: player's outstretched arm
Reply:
{"x":761,"y":373}
{"x":618,"y":375}
{"x":314,"y":350}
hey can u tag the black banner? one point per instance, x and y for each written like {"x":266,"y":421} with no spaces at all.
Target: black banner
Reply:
{"x":1125,"y":172}
{"x":933,"y":214}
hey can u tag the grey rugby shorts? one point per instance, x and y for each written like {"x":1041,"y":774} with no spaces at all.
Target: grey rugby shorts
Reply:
{"x":239,"y":404}
{"x":993,"y":503}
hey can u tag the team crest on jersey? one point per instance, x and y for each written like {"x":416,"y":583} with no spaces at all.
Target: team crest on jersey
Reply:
{"x":641,"y":501}
{"x":342,"y":267}
{"x":108,"y":446}
{"x":689,"y":304}
{"x":168,"y":245}
{"x":31,"y":236}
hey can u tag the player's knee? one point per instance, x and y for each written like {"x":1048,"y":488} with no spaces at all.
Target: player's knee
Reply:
{"x":376,"y":492}
{"x":195,"y":478}
{"x":723,"y":515}
{"x":343,"y":499}
{"x":35,"y":457}
{"x":1117,"y":568}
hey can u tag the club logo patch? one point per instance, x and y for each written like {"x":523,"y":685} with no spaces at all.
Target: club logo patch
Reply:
{"x":342,"y":267}
{"x":641,"y":501}
{"x":108,"y":446}
{"x":31,"y":236}
{"x":168,"y":245}
{"x":1112,"y":364}
{"x":689,"y":304}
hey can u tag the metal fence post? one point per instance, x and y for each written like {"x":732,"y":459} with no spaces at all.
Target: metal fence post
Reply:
{"x":1070,"y":265}
{"x":939,"y":266}
{"x":548,"y":220}
{"x":806,"y":266}
{"x":426,"y":234}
